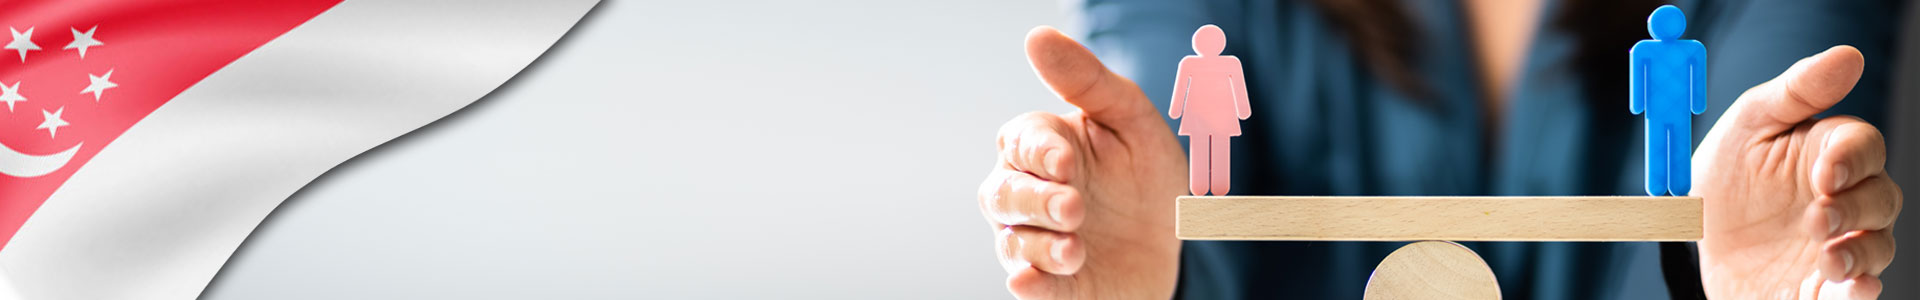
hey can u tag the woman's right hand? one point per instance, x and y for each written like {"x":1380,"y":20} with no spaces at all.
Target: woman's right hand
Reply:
{"x":1082,"y":203}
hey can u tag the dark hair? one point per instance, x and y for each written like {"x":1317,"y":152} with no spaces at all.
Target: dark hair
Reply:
{"x":1382,"y":31}
{"x":1603,"y":31}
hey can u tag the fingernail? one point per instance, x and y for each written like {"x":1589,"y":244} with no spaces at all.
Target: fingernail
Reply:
{"x":1060,"y":251}
{"x":1054,"y":209}
{"x":1847,"y":260}
{"x":1053,"y":164}
{"x":1833,"y":221}
{"x":1839,"y":178}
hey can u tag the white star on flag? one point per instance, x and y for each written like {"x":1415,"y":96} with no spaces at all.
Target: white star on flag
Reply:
{"x":99,"y":84}
{"x":11,"y":94}
{"x":22,"y":42}
{"x":82,"y":40}
{"x":52,"y":121}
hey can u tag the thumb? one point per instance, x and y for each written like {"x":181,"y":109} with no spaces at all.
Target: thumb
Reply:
{"x":1079,"y":78}
{"x":1809,"y":87}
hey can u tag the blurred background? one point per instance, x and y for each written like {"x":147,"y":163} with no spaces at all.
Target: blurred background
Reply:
{"x":719,"y":150}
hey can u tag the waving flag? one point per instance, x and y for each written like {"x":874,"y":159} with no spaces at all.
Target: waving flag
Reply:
{"x":141,"y":141}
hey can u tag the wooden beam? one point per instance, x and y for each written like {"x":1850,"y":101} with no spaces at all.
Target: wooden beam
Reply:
{"x":1584,"y":218}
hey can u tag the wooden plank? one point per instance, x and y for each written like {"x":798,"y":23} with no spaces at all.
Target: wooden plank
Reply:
{"x":1580,"y":218}
{"x":1432,"y":270}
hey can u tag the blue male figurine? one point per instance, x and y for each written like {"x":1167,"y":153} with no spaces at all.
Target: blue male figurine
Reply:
{"x":1668,"y":84}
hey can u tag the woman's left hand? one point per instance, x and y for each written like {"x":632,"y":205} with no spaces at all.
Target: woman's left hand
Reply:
{"x":1796,"y":206}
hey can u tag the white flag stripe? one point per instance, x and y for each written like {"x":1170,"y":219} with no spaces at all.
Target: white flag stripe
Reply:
{"x":6,"y":288}
{"x":156,"y":213}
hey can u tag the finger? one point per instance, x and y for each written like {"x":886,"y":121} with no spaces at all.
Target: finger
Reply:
{"x":1052,"y":252}
{"x":1850,"y":151}
{"x":1079,"y":78}
{"x":1016,"y":198}
{"x":1874,"y":204}
{"x":1032,"y":283}
{"x":988,"y":195}
{"x":1808,"y":87}
{"x":1858,"y":253}
{"x":1859,"y":288}
{"x":1037,"y":143}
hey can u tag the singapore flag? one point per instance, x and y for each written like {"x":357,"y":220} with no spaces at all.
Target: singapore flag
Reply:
{"x":141,"y":141}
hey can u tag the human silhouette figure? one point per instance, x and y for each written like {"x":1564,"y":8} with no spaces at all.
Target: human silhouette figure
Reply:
{"x":1668,"y":84}
{"x":1211,"y":93}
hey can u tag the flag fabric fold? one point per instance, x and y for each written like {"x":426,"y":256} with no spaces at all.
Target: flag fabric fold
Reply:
{"x":142,"y":141}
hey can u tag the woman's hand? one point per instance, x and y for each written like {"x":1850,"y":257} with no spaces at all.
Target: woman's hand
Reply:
{"x":1796,"y":207}
{"x":1082,"y":203}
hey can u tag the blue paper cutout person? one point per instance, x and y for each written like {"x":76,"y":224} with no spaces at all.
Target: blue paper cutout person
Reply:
{"x":1668,"y":84}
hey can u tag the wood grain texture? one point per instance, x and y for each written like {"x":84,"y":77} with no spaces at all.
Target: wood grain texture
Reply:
{"x":1583,"y":218}
{"x":1432,"y":270}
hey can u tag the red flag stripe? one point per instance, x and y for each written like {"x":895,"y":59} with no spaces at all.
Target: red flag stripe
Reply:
{"x":153,"y":49}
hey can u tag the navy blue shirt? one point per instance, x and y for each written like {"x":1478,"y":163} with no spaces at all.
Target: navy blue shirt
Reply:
{"x":1323,"y":124}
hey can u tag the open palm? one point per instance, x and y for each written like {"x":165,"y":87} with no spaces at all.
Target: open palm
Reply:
{"x":1796,"y":207}
{"x":1083,"y":202}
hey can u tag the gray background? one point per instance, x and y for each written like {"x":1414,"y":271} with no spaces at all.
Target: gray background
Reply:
{"x":712,"y":150}
{"x":686,"y":150}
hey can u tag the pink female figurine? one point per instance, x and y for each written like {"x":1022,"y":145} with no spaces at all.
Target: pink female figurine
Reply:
{"x":1206,"y":85}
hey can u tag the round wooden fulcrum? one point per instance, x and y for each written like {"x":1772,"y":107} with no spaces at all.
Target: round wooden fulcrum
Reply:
{"x":1433,"y":270}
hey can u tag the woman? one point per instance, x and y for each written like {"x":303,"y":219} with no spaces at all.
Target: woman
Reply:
{"x":1382,"y":97}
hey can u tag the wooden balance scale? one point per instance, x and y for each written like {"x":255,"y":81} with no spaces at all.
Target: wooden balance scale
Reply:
{"x":1435,"y":267}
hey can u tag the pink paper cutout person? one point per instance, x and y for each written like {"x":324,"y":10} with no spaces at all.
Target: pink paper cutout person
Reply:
{"x":1210,"y":92}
